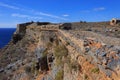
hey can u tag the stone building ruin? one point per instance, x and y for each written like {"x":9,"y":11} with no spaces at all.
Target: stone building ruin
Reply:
{"x":114,"y":21}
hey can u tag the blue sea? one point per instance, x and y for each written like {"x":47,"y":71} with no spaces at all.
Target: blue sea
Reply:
{"x":6,"y":35}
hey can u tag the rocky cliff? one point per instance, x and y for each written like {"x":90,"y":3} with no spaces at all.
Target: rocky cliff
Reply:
{"x":70,"y":51}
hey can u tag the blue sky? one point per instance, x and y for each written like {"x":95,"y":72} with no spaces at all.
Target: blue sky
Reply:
{"x":13,"y":12}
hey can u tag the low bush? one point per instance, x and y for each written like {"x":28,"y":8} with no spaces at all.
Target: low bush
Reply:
{"x":44,"y":53}
{"x":33,"y":67}
{"x":73,"y":65}
{"x":60,"y":51}
{"x":59,"y":75}
{"x":27,"y":69}
{"x":49,"y":45}
{"x":95,"y":70}
{"x":85,"y":76}
{"x":59,"y":62}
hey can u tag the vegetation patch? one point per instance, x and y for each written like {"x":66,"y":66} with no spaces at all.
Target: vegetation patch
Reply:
{"x":33,"y":68}
{"x":67,"y":43}
{"x":49,"y":45}
{"x":59,"y":62}
{"x":60,"y":51}
{"x":59,"y":75}
{"x":27,"y":69}
{"x":73,"y":65}
{"x":85,"y":77}
{"x":44,"y":54}
{"x":95,"y":70}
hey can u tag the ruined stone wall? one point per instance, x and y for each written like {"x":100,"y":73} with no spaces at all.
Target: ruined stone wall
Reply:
{"x":105,"y":57}
{"x":22,"y":27}
{"x":101,"y":38}
{"x":49,"y":27}
{"x":114,"y":21}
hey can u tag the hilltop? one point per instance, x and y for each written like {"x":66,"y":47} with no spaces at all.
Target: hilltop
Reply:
{"x":63,"y":51}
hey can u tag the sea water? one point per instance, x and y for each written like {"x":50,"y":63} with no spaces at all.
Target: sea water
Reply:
{"x":5,"y":36}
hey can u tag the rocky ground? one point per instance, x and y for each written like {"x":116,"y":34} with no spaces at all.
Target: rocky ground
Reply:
{"x":76,"y":51}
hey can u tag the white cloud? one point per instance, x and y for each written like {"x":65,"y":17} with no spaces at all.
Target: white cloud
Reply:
{"x":50,"y":15}
{"x":99,"y":9}
{"x":65,"y":15}
{"x":8,"y":6}
{"x":95,"y":9}
{"x":31,"y":11}
{"x":25,"y":16}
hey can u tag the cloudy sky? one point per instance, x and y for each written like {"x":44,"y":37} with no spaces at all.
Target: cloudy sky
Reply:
{"x":19,"y":11}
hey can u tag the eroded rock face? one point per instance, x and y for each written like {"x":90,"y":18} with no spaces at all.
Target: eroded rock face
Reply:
{"x":43,"y":64}
{"x":17,"y":37}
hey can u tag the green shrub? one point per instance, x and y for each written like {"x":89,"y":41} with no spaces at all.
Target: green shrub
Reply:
{"x":49,"y":45}
{"x":44,"y":53}
{"x":67,"y":43}
{"x":33,"y":68}
{"x":59,"y":75}
{"x":85,"y":77}
{"x":95,"y":70}
{"x":60,"y":51}
{"x":73,"y":65}
{"x":59,"y":62}
{"x":27,"y":69}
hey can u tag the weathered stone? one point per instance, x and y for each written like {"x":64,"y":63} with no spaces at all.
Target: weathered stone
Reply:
{"x":43,"y":64}
{"x":17,"y":37}
{"x":103,"y":54}
{"x":87,"y":49}
{"x":1,"y":70}
{"x":9,"y":67}
{"x":114,"y":21}
{"x":113,"y":64}
{"x":104,"y":61}
{"x":108,"y":73}
{"x":66,"y":26}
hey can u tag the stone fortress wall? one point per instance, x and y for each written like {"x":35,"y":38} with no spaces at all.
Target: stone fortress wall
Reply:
{"x":99,"y":50}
